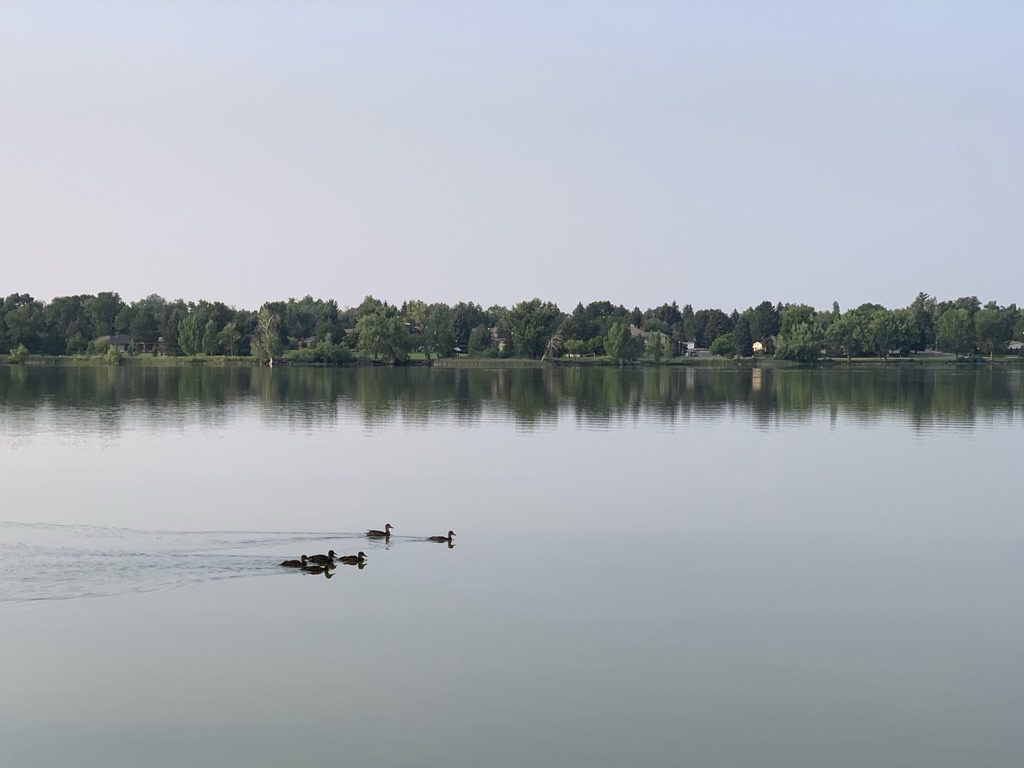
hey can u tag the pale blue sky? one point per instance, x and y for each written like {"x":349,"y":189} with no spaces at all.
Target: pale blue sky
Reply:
{"x":714,"y":153}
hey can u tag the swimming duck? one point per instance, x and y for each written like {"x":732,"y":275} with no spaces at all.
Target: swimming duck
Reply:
{"x":442,"y":539}
{"x":322,"y":559}
{"x":385,"y":534}
{"x":315,"y":569}
{"x":295,"y":563}
{"x":353,"y":559}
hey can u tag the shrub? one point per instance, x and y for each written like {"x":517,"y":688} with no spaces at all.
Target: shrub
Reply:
{"x":724,"y":345}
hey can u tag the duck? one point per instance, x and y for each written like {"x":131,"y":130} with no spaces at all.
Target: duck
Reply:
{"x":315,"y":569}
{"x":442,"y":539}
{"x":359,"y":559}
{"x":295,"y":563}
{"x":385,"y":534}
{"x":322,"y":559}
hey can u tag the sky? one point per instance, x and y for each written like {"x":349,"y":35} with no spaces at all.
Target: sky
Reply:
{"x":711,"y":153}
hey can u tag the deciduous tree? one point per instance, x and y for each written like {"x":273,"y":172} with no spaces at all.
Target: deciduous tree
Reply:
{"x":955,"y":331}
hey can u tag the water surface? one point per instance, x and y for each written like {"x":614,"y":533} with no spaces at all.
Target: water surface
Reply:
{"x":652,"y":567}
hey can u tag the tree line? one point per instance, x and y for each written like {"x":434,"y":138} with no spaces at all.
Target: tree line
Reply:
{"x":318,"y":331}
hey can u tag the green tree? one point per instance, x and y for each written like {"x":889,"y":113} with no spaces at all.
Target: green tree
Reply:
{"x":266,"y":344}
{"x":384,"y":335}
{"x":465,"y":317}
{"x":173,"y":315}
{"x":190,"y":334}
{"x":415,"y":313}
{"x":655,"y":346}
{"x":23,"y":322}
{"x":439,"y":331}
{"x":103,"y":309}
{"x":228,"y":337}
{"x":742,"y":339}
{"x":799,"y":337}
{"x":845,"y":332}
{"x":65,"y":318}
{"x":993,"y":328}
{"x":210,"y":345}
{"x":143,"y":326}
{"x":531,"y":325}
{"x":687,"y":324}
{"x":480,"y":340}
{"x":880,"y":332}
{"x":621,"y":344}
{"x":955,"y":331}
{"x":922,"y":310}
{"x":709,"y":325}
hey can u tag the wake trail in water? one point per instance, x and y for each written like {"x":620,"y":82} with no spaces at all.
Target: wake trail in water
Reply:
{"x":40,"y":561}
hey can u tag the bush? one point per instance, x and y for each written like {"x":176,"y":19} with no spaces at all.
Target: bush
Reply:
{"x":325,"y":351}
{"x":576,"y":347}
{"x":724,"y":345}
{"x":19,"y":353}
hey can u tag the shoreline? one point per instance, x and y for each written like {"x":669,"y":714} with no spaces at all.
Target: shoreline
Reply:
{"x":99,"y":361}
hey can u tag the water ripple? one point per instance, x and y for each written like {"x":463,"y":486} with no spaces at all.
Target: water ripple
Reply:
{"x":40,"y":561}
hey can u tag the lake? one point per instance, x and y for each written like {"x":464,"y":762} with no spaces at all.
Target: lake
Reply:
{"x":652,"y":566}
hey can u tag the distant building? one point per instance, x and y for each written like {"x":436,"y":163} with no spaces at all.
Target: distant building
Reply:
{"x":645,"y":335}
{"x":758,"y":346}
{"x":120,"y":341}
{"x":123,"y":343}
{"x":498,"y":338}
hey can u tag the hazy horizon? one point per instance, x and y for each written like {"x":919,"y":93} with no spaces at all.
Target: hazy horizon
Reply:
{"x":717,"y":154}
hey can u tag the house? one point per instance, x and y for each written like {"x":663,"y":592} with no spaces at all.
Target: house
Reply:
{"x":758,"y":346}
{"x":121,"y":341}
{"x":1015,"y":346}
{"x":498,"y":338}
{"x":634,"y":331}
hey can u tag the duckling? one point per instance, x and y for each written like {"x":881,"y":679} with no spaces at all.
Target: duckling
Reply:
{"x":385,"y":534}
{"x":295,"y":563}
{"x":359,"y":559}
{"x":442,"y":539}
{"x":321,"y":559}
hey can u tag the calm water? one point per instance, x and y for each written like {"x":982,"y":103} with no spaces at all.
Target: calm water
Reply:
{"x":652,"y":567}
